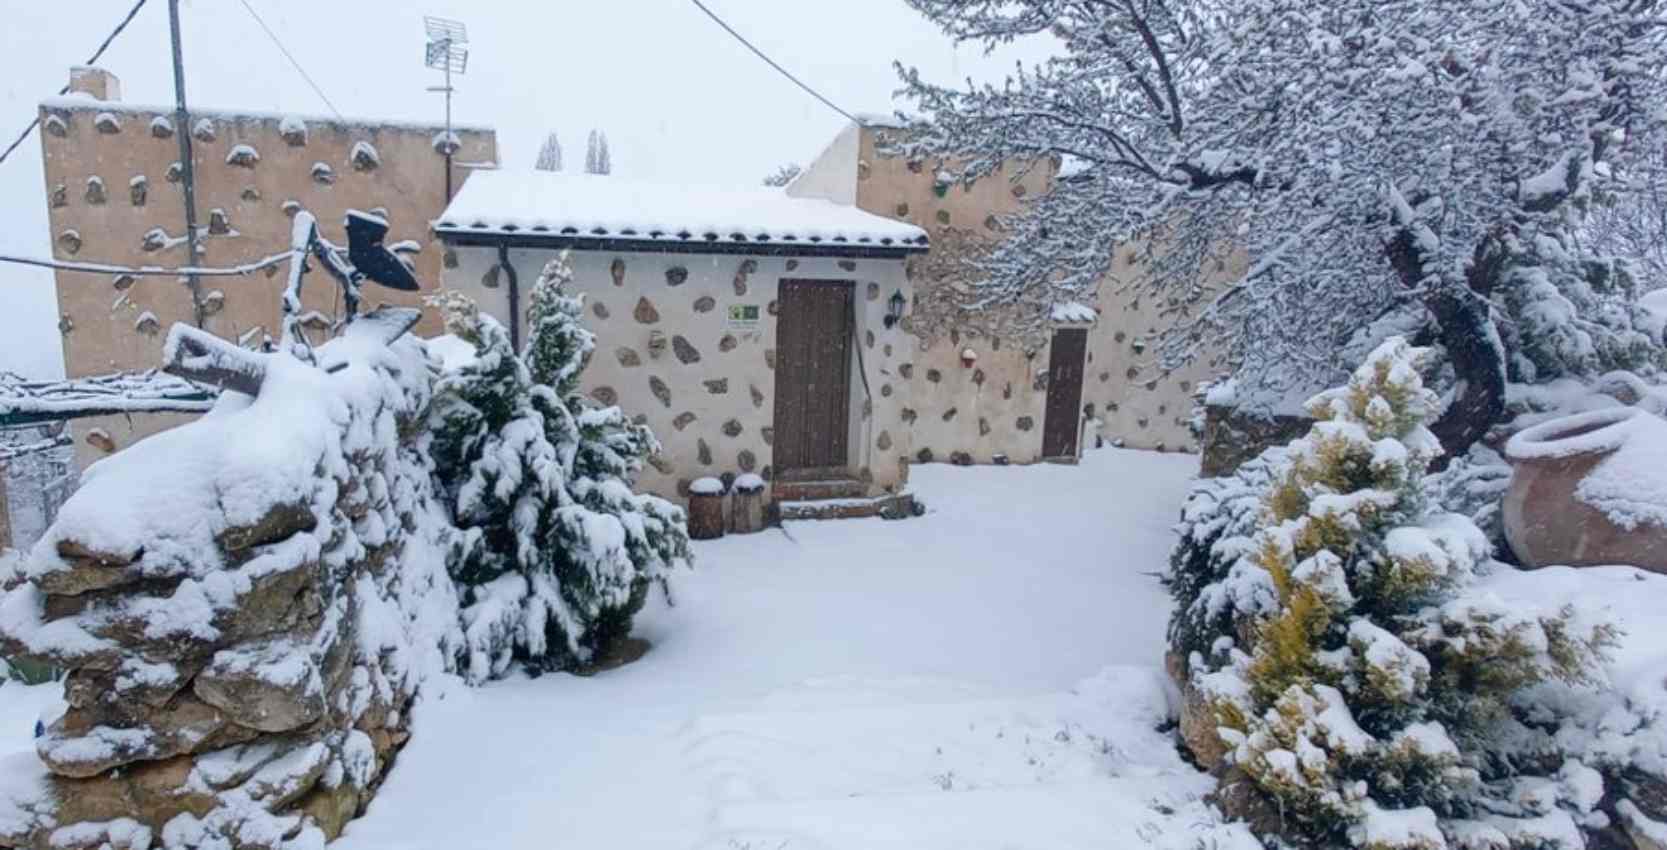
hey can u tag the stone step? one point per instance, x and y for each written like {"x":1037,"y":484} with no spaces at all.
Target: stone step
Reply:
{"x":809,"y":491}
{"x":890,"y":507}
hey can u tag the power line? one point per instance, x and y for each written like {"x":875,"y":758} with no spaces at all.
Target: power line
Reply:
{"x":65,"y":90}
{"x":772,"y":63}
{"x":287,"y":55}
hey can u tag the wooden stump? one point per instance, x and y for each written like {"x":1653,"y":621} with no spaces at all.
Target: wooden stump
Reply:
{"x":747,"y":507}
{"x":706,"y":509}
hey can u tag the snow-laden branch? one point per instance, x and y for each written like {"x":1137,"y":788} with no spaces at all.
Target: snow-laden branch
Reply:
{"x":1204,"y":136}
{"x":141,"y":271}
{"x":13,"y":451}
{"x":25,"y":402}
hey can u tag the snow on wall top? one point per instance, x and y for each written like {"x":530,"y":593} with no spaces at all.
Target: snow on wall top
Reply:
{"x":1074,"y":313}
{"x":541,"y":203}
{"x":83,"y":103}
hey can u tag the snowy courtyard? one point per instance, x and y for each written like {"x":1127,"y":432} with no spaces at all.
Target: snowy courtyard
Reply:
{"x":985,"y":676}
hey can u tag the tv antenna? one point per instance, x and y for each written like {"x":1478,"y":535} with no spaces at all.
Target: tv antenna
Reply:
{"x":445,"y":52}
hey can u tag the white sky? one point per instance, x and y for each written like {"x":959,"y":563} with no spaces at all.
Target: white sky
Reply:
{"x":675,"y":94}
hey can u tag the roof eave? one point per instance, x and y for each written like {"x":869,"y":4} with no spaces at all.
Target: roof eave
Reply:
{"x":471,"y":237}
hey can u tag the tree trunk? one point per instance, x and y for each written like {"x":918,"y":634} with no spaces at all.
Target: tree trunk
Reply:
{"x":1465,"y":329}
{"x":1477,"y":354}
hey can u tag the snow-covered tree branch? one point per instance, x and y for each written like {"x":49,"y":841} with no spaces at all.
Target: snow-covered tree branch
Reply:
{"x":1287,"y":175}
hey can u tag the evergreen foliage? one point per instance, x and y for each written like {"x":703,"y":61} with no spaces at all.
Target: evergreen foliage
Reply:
{"x":555,"y":554}
{"x":783,"y":175}
{"x":597,"y":158}
{"x":549,"y":156}
{"x":1357,"y":680}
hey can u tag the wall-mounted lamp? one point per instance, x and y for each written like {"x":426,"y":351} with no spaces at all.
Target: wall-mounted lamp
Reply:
{"x":894,"y":308}
{"x":968,"y":357}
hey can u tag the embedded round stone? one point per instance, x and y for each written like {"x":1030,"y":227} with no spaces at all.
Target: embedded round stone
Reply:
{"x":628,"y":357}
{"x":659,"y":389}
{"x":645,"y":312}
{"x":705,"y":303}
{"x":685,"y":350}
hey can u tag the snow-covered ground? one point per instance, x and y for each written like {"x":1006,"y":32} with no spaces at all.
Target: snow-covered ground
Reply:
{"x":984,"y":676}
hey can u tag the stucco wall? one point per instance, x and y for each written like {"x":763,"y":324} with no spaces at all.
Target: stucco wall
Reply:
{"x":708,"y":391}
{"x":832,"y":175}
{"x":95,"y":151}
{"x":997,"y":406}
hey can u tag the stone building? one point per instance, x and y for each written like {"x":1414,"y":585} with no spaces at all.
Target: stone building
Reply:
{"x":752,"y":331}
{"x":984,"y":384}
{"x":113,"y":188}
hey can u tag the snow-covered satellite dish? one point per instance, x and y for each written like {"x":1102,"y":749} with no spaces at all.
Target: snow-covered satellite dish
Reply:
{"x":365,"y":251}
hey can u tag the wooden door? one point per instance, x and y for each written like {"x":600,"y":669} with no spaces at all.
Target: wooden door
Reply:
{"x":813,"y":375}
{"x":1064,"y":410}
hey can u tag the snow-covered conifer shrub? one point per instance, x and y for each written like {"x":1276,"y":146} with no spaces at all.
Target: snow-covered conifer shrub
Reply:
{"x":555,"y":553}
{"x":611,"y":543}
{"x":1358,"y":681}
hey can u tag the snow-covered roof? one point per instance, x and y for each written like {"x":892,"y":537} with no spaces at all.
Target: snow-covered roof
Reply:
{"x":1074,"y":313}
{"x":551,"y":207}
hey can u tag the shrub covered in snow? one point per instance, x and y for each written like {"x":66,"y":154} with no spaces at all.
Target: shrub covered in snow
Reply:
{"x":1362,"y":685}
{"x":555,"y":553}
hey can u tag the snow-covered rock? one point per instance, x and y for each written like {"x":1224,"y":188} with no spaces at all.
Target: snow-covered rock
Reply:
{"x":243,"y":650}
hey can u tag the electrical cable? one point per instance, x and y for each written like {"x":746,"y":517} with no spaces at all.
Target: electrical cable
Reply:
{"x":772,"y":63}
{"x":65,"y":90}
{"x":292,"y":60}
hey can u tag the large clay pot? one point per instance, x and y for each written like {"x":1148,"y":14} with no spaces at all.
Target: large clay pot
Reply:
{"x":1589,"y":490}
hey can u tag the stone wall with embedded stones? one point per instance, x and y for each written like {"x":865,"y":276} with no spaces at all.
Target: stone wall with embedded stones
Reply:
{"x":995,"y":408}
{"x":242,"y":655}
{"x":667,"y":352}
{"x":1135,"y":403}
{"x":114,"y":196}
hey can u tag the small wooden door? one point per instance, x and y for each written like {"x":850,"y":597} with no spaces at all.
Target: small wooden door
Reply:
{"x":1064,"y":410}
{"x":813,"y":375}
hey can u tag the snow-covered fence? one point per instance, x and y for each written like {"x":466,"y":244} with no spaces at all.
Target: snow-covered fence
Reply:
{"x":246,"y":606}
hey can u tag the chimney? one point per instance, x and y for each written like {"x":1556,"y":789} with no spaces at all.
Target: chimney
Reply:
{"x":96,"y":82}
